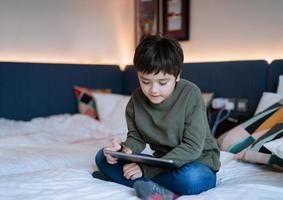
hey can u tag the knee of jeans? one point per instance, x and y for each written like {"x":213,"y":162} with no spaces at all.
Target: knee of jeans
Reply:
{"x":99,"y":158}
{"x":189,"y":185}
{"x":198,"y":186}
{"x":196,"y":181}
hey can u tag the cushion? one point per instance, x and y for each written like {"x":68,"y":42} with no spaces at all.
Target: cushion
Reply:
{"x":247,"y":139}
{"x":112,"y":109}
{"x":243,"y":135}
{"x":267,"y":99}
{"x":280,"y":86}
{"x":86,"y":102}
{"x":207,"y":97}
{"x":276,"y":147}
{"x":258,"y":153}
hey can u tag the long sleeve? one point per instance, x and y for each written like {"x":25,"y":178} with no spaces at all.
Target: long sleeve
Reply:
{"x":134,"y":140}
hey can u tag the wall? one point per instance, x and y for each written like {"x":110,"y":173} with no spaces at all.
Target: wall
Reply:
{"x":68,"y":31}
{"x":95,"y":31}
{"x":235,"y":30}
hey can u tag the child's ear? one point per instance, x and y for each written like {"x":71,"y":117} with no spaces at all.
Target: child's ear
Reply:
{"x":178,"y":78}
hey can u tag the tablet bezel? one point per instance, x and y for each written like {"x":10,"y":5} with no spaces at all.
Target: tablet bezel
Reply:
{"x":147,"y":160}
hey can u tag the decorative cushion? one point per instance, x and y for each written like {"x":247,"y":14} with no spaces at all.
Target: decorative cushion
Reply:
{"x":86,"y":102}
{"x":267,"y":99}
{"x":276,"y":147}
{"x":247,"y":140}
{"x":243,"y":135}
{"x":258,"y":153}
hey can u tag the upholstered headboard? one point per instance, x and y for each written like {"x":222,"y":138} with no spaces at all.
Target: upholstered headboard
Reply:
{"x":275,"y":70}
{"x":29,"y":90}
{"x":234,"y":79}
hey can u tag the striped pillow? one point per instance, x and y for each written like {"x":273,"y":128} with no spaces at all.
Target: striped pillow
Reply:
{"x":258,"y":153}
{"x":247,"y":139}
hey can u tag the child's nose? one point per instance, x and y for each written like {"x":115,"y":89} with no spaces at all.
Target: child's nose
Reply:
{"x":154,"y":88}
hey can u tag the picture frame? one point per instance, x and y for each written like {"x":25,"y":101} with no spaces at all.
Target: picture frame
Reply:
{"x":175,"y":18}
{"x":146,"y":18}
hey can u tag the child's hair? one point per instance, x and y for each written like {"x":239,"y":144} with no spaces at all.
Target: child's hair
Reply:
{"x":157,"y":53}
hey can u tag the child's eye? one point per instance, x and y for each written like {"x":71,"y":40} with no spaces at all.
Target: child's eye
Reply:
{"x":145,"y":82}
{"x":163,"y":83}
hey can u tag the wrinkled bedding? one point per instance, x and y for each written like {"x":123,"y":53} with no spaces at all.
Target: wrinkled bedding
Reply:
{"x":53,"y":157}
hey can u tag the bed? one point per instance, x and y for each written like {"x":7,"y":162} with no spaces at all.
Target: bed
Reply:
{"x":47,"y":148}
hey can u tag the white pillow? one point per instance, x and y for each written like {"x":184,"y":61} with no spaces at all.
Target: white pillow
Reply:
{"x":111,"y":109}
{"x":267,"y":99}
{"x":280,"y":86}
{"x":207,"y":97}
{"x":276,"y":147}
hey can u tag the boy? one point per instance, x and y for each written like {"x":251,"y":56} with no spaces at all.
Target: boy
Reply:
{"x":169,"y":114}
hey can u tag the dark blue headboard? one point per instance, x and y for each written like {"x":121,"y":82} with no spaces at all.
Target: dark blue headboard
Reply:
{"x":275,"y":70}
{"x":130,"y":80}
{"x":29,"y":90}
{"x":233,"y":79}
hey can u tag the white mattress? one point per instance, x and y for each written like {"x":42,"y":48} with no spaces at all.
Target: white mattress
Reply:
{"x":52,"y":158}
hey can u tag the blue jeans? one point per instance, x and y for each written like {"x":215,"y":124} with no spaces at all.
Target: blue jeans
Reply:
{"x":191,"y":178}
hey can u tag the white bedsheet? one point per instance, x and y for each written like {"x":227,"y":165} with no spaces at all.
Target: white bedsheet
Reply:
{"x":61,"y":184}
{"x":235,"y":181}
{"x":52,"y":143}
{"x":52,"y":158}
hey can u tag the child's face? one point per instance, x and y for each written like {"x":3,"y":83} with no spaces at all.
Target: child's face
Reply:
{"x":157,"y":87}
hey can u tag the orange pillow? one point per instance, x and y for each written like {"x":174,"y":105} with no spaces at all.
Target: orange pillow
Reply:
{"x":86,"y":102}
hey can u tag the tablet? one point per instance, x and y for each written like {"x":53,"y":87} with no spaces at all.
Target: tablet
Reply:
{"x":152,"y":161}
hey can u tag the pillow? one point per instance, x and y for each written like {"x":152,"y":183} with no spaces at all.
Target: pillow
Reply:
{"x":276,"y":147}
{"x":243,"y":135}
{"x":207,"y":97}
{"x":280,"y":86}
{"x":112,"y":108}
{"x":267,"y":99}
{"x":258,"y":153}
{"x":86,"y":102}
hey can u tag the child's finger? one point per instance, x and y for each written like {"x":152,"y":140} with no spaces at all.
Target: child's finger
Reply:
{"x":110,"y":159}
{"x":115,"y":144}
{"x":127,"y":150}
{"x":129,"y":172}
{"x":136,"y":175}
{"x":132,"y":172}
{"x":128,"y":166}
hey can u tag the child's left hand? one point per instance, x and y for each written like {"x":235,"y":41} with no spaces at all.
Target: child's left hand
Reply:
{"x":132,"y":171}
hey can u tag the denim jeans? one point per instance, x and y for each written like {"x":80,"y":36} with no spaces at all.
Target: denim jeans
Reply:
{"x":191,"y":178}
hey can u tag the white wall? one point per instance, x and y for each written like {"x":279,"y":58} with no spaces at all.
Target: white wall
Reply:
{"x":235,"y":30}
{"x":72,"y":31}
{"x":96,"y":31}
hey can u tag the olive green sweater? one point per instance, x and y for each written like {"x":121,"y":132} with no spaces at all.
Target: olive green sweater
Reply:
{"x":175,"y":129}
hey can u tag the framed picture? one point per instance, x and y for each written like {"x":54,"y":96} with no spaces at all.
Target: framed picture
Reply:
{"x":147,"y":18}
{"x":175,"y":18}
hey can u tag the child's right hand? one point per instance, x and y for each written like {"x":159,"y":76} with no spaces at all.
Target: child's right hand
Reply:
{"x":115,"y":147}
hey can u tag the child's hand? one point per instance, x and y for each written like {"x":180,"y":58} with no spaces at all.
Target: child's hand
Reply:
{"x":115,"y":147}
{"x":132,"y":171}
{"x":127,"y":150}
